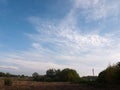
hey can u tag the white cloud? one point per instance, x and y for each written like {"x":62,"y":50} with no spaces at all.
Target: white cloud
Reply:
{"x":36,"y":45}
{"x":9,"y":67}
{"x":98,"y":9}
{"x":84,"y":40}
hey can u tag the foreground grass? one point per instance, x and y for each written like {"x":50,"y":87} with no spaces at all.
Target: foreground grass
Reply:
{"x":32,"y":85}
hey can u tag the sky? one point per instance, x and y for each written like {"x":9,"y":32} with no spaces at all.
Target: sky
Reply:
{"x":36,"y":35}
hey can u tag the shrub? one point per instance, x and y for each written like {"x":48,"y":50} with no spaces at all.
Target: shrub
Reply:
{"x":7,"y":82}
{"x":69,"y":75}
{"x":110,"y":75}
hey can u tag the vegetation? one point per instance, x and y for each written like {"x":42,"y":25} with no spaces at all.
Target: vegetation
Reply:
{"x":53,"y":75}
{"x":2,"y":74}
{"x":69,"y":75}
{"x":88,"y":79}
{"x":111,"y":75}
{"x":7,"y":82}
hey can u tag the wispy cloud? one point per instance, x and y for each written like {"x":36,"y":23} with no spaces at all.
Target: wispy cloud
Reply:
{"x":9,"y":67}
{"x":98,"y":9}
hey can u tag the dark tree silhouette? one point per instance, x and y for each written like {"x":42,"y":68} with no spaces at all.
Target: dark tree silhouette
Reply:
{"x":110,"y":75}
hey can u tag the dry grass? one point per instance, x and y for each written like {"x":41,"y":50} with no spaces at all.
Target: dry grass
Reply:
{"x":31,"y":85}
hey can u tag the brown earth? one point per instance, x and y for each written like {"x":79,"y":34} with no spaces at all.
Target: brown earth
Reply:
{"x":30,"y":85}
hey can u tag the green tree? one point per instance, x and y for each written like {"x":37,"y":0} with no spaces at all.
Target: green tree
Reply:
{"x":51,"y":73}
{"x":102,"y":77}
{"x":35,"y":76}
{"x":110,"y":75}
{"x":2,"y":74}
{"x":69,"y":75}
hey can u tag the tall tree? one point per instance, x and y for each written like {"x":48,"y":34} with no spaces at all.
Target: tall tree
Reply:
{"x":69,"y":75}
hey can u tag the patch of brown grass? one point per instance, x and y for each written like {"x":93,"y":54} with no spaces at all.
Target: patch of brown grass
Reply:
{"x":31,"y":85}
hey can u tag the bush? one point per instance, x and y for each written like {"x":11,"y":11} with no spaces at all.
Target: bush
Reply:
{"x":110,"y":75}
{"x":7,"y":82}
{"x":69,"y":75}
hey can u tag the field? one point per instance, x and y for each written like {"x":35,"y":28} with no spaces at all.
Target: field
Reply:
{"x":31,"y":85}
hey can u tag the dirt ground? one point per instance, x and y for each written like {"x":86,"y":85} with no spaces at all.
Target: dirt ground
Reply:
{"x":30,"y":85}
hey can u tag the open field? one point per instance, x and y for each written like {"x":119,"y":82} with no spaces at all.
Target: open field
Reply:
{"x":30,"y":85}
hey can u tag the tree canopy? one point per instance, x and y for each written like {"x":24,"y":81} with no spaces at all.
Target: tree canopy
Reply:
{"x":69,"y":75}
{"x":110,"y":75}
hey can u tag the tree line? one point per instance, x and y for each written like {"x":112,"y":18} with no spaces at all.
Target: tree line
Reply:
{"x":53,"y":75}
{"x":2,"y":74}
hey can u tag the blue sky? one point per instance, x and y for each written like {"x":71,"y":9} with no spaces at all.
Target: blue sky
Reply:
{"x":36,"y":35}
